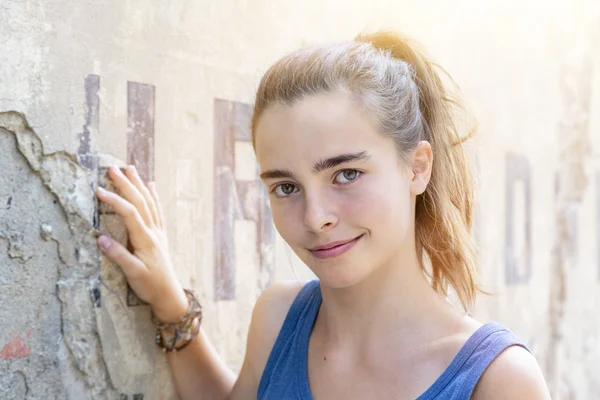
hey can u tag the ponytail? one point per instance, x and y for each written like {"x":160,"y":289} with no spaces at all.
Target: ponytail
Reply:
{"x":443,"y":217}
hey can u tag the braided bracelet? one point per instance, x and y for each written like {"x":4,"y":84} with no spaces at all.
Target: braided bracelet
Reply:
{"x":183,"y":329}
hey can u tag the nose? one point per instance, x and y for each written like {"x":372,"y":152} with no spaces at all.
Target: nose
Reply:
{"x":319,"y":214}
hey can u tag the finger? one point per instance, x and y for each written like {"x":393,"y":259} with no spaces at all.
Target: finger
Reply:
{"x":137,"y":228}
{"x":130,"y":193}
{"x":159,"y":211}
{"x":131,"y":266}
{"x":135,"y":178}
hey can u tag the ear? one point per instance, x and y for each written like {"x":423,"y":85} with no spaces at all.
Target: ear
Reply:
{"x":421,"y":163}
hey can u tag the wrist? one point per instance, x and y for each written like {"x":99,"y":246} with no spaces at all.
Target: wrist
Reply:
{"x":167,"y":336}
{"x":171,"y":309}
{"x":183,"y":330}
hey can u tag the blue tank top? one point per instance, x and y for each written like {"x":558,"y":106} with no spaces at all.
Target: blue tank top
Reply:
{"x":286,"y":373}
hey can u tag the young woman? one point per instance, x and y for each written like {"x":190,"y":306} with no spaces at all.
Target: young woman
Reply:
{"x":369,"y":186}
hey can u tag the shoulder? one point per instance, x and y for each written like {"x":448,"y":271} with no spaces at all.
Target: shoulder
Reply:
{"x":270,"y":311}
{"x":268,"y":316}
{"x":514,"y":374}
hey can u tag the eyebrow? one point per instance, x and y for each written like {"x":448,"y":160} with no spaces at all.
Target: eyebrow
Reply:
{"x":319,"y":166}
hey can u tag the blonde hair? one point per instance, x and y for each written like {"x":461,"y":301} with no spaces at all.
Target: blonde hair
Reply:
{"x":400,"y":87}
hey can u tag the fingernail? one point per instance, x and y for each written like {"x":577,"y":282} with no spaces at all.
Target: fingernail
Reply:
{"x":104,"y":242}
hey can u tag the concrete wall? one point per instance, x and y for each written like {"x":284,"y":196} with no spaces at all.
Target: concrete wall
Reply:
{"x":166,"y":86}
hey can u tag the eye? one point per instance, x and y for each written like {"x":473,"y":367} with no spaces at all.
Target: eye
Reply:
{"x":347,"y":176}
{"x":284,"y":190}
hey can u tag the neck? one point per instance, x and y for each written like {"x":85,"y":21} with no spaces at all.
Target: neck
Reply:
{"x":395,"y":301}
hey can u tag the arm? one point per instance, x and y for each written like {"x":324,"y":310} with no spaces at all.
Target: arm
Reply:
{"x":198,"y":371}
{"x":514,"y":374}
{"x":267,"y":319}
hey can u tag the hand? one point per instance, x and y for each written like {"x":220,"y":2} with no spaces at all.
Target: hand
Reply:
{"x":148,"y":270}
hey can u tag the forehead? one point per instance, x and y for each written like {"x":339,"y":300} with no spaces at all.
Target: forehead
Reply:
{"x":315,"y":127}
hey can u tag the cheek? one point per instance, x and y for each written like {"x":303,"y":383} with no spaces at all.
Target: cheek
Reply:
{"x":285,"y":222}
{"x":366,"y":206}
{"x":383,"y":209}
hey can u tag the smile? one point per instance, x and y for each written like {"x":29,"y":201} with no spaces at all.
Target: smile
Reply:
{"x":334,"y":249}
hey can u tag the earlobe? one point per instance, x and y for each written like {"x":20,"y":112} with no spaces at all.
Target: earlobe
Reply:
{"x":418,"y":185}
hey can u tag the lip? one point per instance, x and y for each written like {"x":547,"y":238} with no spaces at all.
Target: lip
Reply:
{"x":334,"y":249}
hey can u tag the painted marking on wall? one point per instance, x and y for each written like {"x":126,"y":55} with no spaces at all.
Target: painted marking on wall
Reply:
{"x":518,"y":219}
{"x":140,"y":148}
{"x":16,"y":347}
{"x":239,"y":195}
{"x":140,"y":123}
{"x":140,"y":142}
{"x":92,"y":122}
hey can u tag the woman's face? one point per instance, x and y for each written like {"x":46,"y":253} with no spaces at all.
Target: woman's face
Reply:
{"x":340,"y":195}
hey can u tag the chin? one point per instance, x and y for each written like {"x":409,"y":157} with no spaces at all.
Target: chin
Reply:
{"x":340,"y":275}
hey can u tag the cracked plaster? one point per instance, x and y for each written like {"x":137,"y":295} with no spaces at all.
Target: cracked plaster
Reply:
{"x":71,"y":334}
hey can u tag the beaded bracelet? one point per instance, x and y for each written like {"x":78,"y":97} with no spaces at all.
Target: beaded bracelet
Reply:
{"x":183,"y":329}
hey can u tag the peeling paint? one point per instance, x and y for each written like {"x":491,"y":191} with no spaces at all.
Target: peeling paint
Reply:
{"x":83,"y":315}
{"x":72,"y":187}
{"x":16,"y":246}
{"x":46,"y":232}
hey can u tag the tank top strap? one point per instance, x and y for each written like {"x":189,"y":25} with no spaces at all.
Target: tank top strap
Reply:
{"x":460,"y":378}
{"x":303,"y":311}
{"x":288,"y":350}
